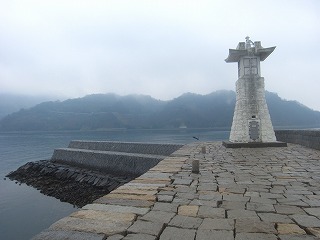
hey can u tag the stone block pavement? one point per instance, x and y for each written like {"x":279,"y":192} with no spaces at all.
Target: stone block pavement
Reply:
{"x":239,"y":194}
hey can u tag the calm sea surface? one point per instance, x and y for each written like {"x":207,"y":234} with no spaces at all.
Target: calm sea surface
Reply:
{"x":24,"y":211}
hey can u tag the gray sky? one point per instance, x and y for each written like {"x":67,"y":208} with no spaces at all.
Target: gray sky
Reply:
{"x":160,"y":48}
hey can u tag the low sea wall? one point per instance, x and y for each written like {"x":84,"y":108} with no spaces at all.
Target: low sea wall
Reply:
{"x":308,"y":138}
{"x":115,"y":157}
{"x":115,"y":162}
{"x":127,"y":147}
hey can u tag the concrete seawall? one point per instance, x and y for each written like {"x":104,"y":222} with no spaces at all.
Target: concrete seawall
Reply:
{"x":128,"y":147}
{"x":307,"y":138}
{"x":116,"y":162}
{"x":115,"y":157}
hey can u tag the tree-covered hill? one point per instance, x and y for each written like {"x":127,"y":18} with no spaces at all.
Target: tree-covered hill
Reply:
{"x":105,"y":111}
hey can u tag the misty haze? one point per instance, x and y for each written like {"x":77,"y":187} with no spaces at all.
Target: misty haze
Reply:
{"x":145,"y":89}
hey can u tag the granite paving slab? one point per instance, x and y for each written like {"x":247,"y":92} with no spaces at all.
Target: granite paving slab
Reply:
{"x":124,"y":202}
{"x":254,"y":226}
{"x":188,"y":210}
{"x":70,"y":235}
{"x":255,"y":236}
{"x":173,"y":233}
{"x":158,"y":216}
{"x":185,"y":222}
{"x":214,"y":235}
{"x":116,"y":209}
{"x":146,"y":227}
{"x":284,"y":228}
{"x":306,"y":221}
{"x":217,"y":224}
{"x":211,"y":212}
{"x":139,"y":236}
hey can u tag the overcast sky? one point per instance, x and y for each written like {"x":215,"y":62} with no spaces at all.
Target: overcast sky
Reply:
{"x":159,"y":48}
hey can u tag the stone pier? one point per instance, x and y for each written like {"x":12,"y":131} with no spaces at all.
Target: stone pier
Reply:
{"x":260,"y":193}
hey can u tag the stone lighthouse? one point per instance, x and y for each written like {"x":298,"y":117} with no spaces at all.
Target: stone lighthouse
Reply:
{"x":251,"y":124}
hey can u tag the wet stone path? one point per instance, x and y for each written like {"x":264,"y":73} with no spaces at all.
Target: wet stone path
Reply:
{"x":241,"y":194}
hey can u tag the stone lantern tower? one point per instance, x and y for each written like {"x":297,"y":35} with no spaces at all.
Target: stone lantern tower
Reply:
{"x":251,"y":124}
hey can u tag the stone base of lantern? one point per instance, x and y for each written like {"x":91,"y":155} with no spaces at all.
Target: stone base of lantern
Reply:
{"x":229,"y":144}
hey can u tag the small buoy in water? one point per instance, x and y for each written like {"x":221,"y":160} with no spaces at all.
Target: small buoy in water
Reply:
{"x":15,"y":182}
{"x":4,"y":178}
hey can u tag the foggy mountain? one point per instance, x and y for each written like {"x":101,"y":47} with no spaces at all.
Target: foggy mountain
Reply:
{"x":10,"y":103}
{"x":105,"y":111}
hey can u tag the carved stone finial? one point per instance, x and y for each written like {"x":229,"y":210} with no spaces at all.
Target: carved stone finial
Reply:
{"x":249,"y":43}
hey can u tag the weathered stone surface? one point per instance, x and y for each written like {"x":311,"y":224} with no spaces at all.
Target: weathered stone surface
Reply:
{"x":262,"y":200}
{"x":313,"y":211}
{"x":214,"y":235}
{"x":284,"y":229}
{"x":306,"y":221}
{"x":143,"y":186}
{"x":314,"y":231}
{"x":252,"y":194}
{"x":131,"y":196}
{"x":188,"y":210}
{"x":260,"y":207}
{"x":240,"y":213}
{"x":124,"y":202}
{"x":235,"y":198}
{"x":209,"y":195}
{"x":104,"y":216}
{"x":165,"y":198}
{"x":210,"y":203}
{"x":166,"y":169}
{"x":139,"y":237}
{"x":189,"y":195}
{"x":115,"y":208}
{"x":185,"y":222}
{"x":156,"y":175}
{"x":297,"y":237}
{"x":158,"y":216}
{"x":166,"y":207}
{"x":217,"y":224}
{"x":293,"y":202}
{"x":134,"y":191}
{"x":255,"y":236}
{"x":166,"y":192}
{"x":108,"y":227}
{"x":115,"y":237}
{"x":207,"y":187}
{"x":182,"y":181}
{"x":287,"y":209}
{"x":211,"y":212}
{"x":173,"y":233}
{"x":181,"y":201}
{"x":185,"y":189}
{"x":152,"y":181}
{"x":146,"y":227}
{"x":70,"y":235}
{"x":233,"y":205}
{"x":254,"y":226}
{"x":273,"y":217}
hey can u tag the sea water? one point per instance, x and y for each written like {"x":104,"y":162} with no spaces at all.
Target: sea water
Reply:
{"x":24,"y":211}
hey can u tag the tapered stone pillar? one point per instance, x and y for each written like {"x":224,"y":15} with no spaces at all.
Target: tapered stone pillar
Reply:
{"x":251,"y":123}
